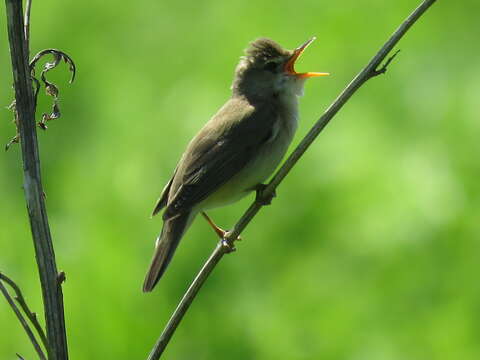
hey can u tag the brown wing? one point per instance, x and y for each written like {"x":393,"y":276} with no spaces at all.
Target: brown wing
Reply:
{"x":210,"y":161}
{"x":162,"y":200}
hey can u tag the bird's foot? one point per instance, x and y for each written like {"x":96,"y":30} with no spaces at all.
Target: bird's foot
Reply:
{"x":229,"y":247}
{"x":263,"y":198}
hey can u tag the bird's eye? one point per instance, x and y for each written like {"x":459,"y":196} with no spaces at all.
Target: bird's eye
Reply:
{"x":270,"y":66}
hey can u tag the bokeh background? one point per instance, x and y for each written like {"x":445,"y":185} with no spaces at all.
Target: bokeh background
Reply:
{"x":371,"y":249}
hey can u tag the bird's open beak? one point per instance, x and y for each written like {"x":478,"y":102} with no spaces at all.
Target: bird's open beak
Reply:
{"x":289,"y":66}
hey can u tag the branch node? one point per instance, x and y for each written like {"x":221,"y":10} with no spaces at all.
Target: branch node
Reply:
{"x":383,"y":69}
{"x":61,"y":277}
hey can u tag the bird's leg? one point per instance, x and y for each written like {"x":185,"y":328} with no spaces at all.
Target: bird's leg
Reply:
{"x":219,"y":231}
{"x":260,"y":197}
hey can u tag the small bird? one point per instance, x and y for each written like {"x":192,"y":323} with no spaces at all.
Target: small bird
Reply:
{"x":237,"y":149}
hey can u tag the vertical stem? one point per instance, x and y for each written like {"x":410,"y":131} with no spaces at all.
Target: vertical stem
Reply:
{"x":45,"y":256}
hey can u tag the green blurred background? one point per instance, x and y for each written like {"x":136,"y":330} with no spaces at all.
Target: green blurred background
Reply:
{"x":370,"y":250}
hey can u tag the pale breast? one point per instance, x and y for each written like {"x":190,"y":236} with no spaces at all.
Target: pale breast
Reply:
{"x":265,"y":162}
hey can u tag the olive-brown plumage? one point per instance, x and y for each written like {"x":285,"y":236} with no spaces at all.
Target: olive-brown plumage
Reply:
{"x":237,"y":149}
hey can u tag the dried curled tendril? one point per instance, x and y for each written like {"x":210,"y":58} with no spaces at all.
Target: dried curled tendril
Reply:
{"x":50,"y":88}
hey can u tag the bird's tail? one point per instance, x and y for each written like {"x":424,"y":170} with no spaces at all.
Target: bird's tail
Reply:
{"x":172,"y":231}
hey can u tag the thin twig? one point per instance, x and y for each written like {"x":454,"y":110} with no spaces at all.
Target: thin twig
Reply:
{"x":28,"y":8}
{"x":51,"y":289}
{"x":22,"y":320}
{"x":31,"y":315}
{"x":223,"y":247}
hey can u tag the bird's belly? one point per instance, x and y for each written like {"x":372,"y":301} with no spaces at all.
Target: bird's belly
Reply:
{"x":254,"y":173}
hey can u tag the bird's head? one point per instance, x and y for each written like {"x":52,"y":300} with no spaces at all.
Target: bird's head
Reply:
{"x":267,"y":70}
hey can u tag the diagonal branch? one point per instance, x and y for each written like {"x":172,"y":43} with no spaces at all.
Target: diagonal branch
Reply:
{"x":22,"y":320}
{"x":45,"y":256}
{"x":371,"y":70}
